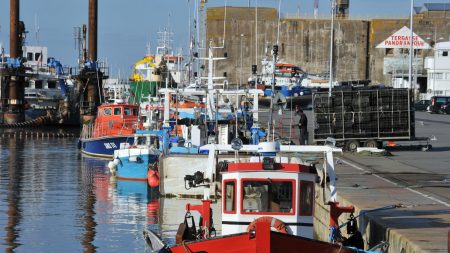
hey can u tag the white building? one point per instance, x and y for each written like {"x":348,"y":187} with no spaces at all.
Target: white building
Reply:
{"x":438,"y":69}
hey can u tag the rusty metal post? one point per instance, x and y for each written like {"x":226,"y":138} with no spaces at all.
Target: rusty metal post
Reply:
{"x":91,"y":75}
{"x":93,"y":11}
{"x":14,"y":29}
{"x":14,"y":113}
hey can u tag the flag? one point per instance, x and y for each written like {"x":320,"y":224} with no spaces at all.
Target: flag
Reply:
{"x":39,"y":60}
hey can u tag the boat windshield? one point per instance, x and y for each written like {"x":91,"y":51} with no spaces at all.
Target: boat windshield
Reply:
{"x":268,"y":196}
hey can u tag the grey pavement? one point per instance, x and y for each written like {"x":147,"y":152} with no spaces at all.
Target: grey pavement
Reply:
{"x":416,"y":182}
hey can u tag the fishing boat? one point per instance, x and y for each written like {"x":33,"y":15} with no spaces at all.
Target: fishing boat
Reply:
{"x":115,"y":124}
{"x":48,"y":89}
{"x":267,"y":202}
{"x":288,"y":84}
{"x":155,"y":71}
{"x":139,"y":161}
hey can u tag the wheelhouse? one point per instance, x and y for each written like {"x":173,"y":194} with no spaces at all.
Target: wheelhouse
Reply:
{"x":278,"y":187}
{"x":116,"y":119}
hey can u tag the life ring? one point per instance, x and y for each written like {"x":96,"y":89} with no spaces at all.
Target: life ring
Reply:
{"x":275,"y":223}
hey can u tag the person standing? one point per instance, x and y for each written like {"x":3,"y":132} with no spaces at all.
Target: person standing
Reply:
{"x":303,"y":126}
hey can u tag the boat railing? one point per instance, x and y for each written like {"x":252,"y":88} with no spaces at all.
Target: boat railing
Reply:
{"x":110,"y":128}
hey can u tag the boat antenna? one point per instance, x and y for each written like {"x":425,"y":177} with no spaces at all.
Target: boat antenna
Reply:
{"x":279,"y":18}
{"x":224,"y":24}
{"x":333,"y":7}
{"x":256,"y":32}
{"x":149,"y":50}
{"x":190,"y":42}
{"x":36,"y":28}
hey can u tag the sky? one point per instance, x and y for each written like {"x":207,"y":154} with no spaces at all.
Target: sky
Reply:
{"x":126,"y":27}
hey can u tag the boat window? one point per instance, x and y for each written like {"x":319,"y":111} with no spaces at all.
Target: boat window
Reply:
{"x":135,"y":112}
{"x":38,"y":84}
{"x":29,"y":56}
{"x":267,"y":196}
{"x":51,"y":84}
{"x":306,"y":198}
{"x":37,"y":56}
{"x":107,"y":112}
{"x":118,"y":111}
{"x":229,"y":205}
{"x":141,"y":140}
{"x":127,"y":111}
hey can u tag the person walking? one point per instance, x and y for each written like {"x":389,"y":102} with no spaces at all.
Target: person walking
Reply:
{"x":303,"y":126}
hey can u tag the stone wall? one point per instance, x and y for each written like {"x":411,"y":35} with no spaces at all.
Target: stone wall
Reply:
{"x":306,"y":42}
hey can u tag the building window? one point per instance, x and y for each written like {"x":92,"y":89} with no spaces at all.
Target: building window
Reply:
{"x":229,"y":205}
{"x":306,"y":198}
{"x":438,"y":76}
{"x":268,"y":196}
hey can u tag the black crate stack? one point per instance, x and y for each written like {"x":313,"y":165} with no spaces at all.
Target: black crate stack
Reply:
{"x":381,"y":113}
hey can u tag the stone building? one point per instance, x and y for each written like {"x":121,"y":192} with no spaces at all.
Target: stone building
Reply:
{"x":306,"y":42}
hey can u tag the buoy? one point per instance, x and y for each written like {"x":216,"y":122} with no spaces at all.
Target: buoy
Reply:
{"x":116,"y":161}
{"x":153,"y":178}
{"x":112,"y":168}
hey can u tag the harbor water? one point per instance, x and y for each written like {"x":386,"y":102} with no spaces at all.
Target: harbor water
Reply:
{"x":52,"y":199}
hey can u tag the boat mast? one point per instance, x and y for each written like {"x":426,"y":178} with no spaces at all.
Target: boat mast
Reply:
{"x":274,"y":61}
{"x":330,"y":85}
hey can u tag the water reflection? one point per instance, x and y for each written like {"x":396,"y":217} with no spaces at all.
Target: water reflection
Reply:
{"x":122,"y":209}
{"x":54,"y":200}
{"x":15,"y":172}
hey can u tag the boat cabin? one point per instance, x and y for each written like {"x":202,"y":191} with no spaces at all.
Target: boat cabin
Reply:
{"x":116,"y":119}
{"x":274,"y":186}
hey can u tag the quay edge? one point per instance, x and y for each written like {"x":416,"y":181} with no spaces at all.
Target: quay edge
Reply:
{"x":409,"y":223}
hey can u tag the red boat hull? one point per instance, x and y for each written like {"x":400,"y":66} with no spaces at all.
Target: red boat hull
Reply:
{"x":262,"y":241}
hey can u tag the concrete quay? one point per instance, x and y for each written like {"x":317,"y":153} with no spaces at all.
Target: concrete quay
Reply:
{"x":413,"y":185}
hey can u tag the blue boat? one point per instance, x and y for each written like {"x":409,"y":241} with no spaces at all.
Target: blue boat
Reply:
{"x":115,"y":124}
{"x":139,"y":161}
{"x":103,"y":147}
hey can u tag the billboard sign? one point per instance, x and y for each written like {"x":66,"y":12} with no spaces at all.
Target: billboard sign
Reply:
{"x":401,"y":39}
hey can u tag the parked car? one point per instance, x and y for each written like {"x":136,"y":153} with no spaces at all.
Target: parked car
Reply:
{"x":422,"y":105}
{"x":437,"y":102}
{"x":445,"y":109}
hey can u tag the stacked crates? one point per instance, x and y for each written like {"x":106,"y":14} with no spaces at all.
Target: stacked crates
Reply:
{"x":381,"y":113}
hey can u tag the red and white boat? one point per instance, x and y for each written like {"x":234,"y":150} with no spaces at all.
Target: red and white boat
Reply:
{"x":267,"y":203}
{"x":115,"y":124}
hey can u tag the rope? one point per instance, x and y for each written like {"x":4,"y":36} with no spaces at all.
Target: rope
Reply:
{"x":186,"y":249}
{"x":34,"y":122}
{"x":369,"y":211}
